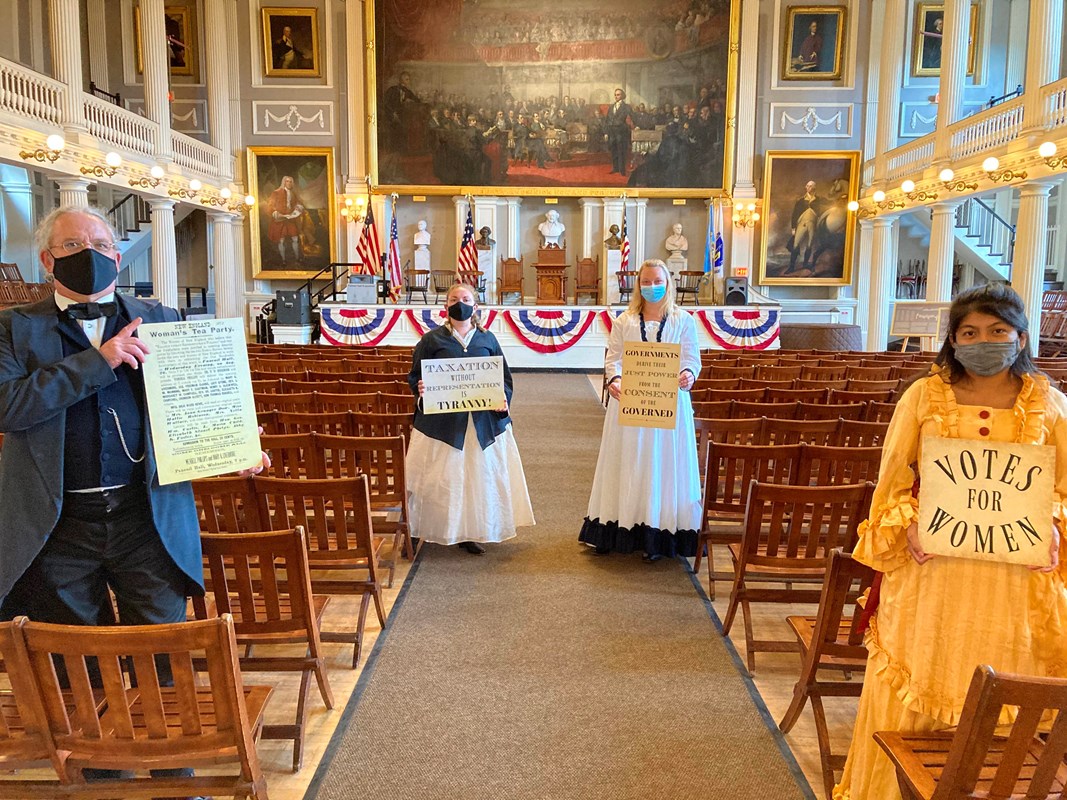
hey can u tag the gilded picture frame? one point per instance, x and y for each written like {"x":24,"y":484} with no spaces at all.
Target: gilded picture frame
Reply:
{"x":293,"y":224}
{"x":529,"y":53}
{"x":926,"y":53}
{"x":181,"y":40}
{"x":814,"y":44}
{"x":291,"y":42}
{"x":807,"y":229}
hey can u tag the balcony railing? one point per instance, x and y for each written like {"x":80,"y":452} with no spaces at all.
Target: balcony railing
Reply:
{"x":986,"y":130}
{"x":117,"y":126}
{"x":30,"y":94}
{"x":1054,"y":101}
{"x":194,"y":155}
{"x":911,"y":158}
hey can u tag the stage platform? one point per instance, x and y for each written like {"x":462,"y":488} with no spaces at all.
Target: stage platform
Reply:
{"x":546,"y":337}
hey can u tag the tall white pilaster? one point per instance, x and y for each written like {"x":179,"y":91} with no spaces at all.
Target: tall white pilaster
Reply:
{"x":156,"y":69}
{"x":864,"y":267}
{"x":874,"y":73}
{"x":890,"y":33}
{"x":164,"y":252}
{"x":217,"y":62}
{"x":1031,"y":248}
{"x":745,"y":135}
{"x":1042,"y":59}
{"x":356,"y":121}
{"x":614,"y":211}
{"x":883,"y":270}
{"x":742,"y":246}
{"x":65,"y":19}
{"x":592,"y":207}
{"x":514,"y":243}
{"x":957,"y":22}
{"x":1015,"y":68}
{"x":73,"y":191}
{"x":942,"y":252}
{"x":639,"y":233}
{"x":223,"y":258}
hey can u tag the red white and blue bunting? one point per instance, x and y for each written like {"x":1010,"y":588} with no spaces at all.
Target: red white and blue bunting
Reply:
{"x":736,"y":329}
{"x":549,"y":331}
{"x":426,"y":319}
{"x":608,"y":316}
{"x":363,"y":327}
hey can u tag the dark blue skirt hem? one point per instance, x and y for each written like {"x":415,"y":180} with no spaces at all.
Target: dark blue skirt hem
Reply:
{"x":644,"y":538}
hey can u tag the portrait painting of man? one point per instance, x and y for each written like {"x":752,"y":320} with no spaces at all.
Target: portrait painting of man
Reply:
{"x":291,"y":42}
{"x":567,"y":98}
{"x":180,"y":30}
{"x":929,"y":31}
{"x":291,"y":222}
{"x":807,"y":227}
{"x":814,"y":43}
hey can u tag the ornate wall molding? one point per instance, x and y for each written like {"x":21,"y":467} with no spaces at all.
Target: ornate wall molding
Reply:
{"x":284,"y":118}
{"x":919,"y":119}
{"x":186,"y":116}
{"x":811,"y":120}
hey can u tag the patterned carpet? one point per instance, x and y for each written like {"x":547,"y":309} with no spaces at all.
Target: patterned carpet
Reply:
{"x":540,"y":670}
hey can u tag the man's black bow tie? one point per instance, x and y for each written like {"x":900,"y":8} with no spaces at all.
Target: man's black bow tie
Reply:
{"x":90,"y":310}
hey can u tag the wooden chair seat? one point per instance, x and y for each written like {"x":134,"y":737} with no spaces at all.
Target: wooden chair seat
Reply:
{"x":764,"y":565}
{"x":804,"y":629}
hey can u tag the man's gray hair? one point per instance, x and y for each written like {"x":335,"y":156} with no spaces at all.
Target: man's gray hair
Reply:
{"x":43,"y":236}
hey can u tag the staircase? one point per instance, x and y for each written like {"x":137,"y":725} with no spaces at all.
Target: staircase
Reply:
{"x":131,"y":217}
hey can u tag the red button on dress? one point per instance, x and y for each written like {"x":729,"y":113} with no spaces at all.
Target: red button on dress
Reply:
{"x":983,"y":414}
{"x":983,"y":431}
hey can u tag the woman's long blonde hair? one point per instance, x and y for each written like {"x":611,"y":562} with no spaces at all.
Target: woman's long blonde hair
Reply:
{"x":637,"y":300}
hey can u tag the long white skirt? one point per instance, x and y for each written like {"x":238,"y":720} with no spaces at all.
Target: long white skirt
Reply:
{"x":468,"y":495}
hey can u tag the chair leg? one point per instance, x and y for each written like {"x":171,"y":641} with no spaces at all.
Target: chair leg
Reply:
{"x":323,"y":680}
{"x":825,"y":756}
{"x":746,"y":613}
{"x":711,"y":570}
{"x":301,"y":720}
{"x":796,"y":706}
{"x":731,"y":610}
{"x":361,"y":620}
{"x":701,"y":547}
{"x":379,"y":605}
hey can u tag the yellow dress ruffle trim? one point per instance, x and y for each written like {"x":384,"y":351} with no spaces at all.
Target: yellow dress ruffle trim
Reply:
{"x":882,"y":543}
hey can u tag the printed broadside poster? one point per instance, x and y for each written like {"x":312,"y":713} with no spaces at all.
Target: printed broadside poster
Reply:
{"x":463,"y":384}
{"x":649,"y":397}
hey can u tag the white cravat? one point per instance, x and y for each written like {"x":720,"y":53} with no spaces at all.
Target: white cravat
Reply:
{"x":93,"y":328}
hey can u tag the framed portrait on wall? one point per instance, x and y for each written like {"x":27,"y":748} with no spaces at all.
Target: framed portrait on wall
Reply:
{"x":929,"y":30}
{"x":814,"y":43}
{"x":291,"y":42}
{"x":292,"y":223}
{"x":807,"y":227}
{"x":539,"y":97}
{"x":181,"y":40}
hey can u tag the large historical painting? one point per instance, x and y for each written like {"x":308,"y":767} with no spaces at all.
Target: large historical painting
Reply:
{"x":539,"y":97}
{"x":292,"y":234}
{"x":807,"y":227}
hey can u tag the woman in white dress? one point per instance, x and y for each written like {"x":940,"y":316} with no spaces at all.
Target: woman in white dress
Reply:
{"x":465,"y":480}
{"x":646,"y":491}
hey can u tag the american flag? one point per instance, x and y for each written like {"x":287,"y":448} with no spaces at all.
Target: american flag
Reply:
{"x":368,"y":249}
{"x":625,"y":244}
{"x":396,"y":280}
{"x":468,"y":253}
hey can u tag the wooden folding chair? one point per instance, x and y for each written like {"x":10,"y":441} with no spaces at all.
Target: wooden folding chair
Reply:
{"x":780,"y":410}
{"x":860,"y":433}
{"x":312,"y":386}
{"x":174,"y":718}
{"x":699,"y":390}
{"x":869,"y":373}
{"x":396,"y":403}
{"x":262,"y":579}
{"x":788,"y":534}
{"x":777,"y":373}
{"x":851,"y":396}
{"x":835,"y":372}
{"x":830,"y":410}
{"x":267,"y":387}
{"x":827,"y":465}
{"x":227,"y":505}
{"x":712,"y":409}
{"x":348,"y":401}
{"x":832,"y":640}
{"x":338,"y":423}
{"x":759,"y":383}
{"x":719,"y":370}
{"x":793,"y":394}
{"x":872,"y":386}
{"x":292,"y":455}
{"x":795,"y":431}
{"x":285,"y":401}
{"x":974,"y":761}
{"x":879,"y":412}
{"x":802,"y":383}
{"x":343,"y":554}
{"x":367,"y":424}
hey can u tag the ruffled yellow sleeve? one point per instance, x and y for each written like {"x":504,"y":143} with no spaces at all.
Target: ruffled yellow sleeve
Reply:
{"x":882,"y":541}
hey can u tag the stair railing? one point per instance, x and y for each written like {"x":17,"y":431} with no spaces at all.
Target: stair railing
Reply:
{"x":993,"y":101}
{"x":115,"y":98}
{"x":992,"y":231}
{"x":128,"y":215}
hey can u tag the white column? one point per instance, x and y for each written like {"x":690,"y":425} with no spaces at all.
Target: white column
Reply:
{"x":96,"y":19}
{"x":461,"y":203}
{"x":746,"y":100}
{"x":241,"y":273}
{"x":227,"y":299}
{"x":957,"y":22}
{"x":591,"y":208}
{"x":1015,"y":69}
{"x":864,"y":266}
{"x":1058,"y":256}
{"x":742,"y":246}
{"x":614,"y":209}
{"x":889,"y":31}
{"x":514,"y":242}
{"x":639,"y":232}
{"x":233,"y":77}
{"x":883,"y":270}
{"x":164,"y":252}
{"x":73,"y":191}
{"x":874,"y":72}
{"x":218,"y":82}
{"x":156,"y":69}
{"x":1031,"y":244}
{"x":65,"y":19}
{"x":16,"y":211}
{"x":356,"y":117}
{"x":1042,"y":61}
{"x":942,"y":252}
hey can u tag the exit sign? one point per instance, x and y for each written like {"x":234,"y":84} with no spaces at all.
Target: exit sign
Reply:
{"x":740,"y":272}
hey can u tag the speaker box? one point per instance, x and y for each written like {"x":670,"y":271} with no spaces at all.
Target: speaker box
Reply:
{"x":736,"y":292}
{"x":293,"y":308}
{"x":361,"y":290}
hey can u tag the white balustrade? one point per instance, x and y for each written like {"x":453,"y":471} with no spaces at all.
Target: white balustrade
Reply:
{"x":987,"y":130}
{"x":1055,"y":104}
{"x":193,"y":154}
{"x":115,"y":125}
{"x":911,"y":158}
{"x":1053,"y":236}
{"x":30,"y":94}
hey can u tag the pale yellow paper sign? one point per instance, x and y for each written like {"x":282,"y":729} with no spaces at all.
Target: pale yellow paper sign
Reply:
{"x":987,"y":500}
{"x":200,"y":402}
{"x":649,"y":396}
{"x":463,"y":384}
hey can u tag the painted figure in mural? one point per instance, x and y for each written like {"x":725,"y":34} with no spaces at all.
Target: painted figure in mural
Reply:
{"x":284,"y":52}
{"x":286,"y":208}
{"x":802,"y":227}
{"x":617,"y":123}
{"x":808,"y":57}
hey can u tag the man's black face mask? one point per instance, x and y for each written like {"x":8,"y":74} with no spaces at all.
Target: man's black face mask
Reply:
{"x":85,"y":272}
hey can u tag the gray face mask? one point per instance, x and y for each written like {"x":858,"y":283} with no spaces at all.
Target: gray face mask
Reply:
{"x":987,"y":358}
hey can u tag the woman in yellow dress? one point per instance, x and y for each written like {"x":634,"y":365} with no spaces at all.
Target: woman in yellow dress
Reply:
{"x":938,"y":618}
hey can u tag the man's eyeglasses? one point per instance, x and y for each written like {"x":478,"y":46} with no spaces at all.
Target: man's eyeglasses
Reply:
{"x":72,"y":246}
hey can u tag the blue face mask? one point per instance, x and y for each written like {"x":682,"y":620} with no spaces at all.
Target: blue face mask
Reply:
{"x":654,"y":294}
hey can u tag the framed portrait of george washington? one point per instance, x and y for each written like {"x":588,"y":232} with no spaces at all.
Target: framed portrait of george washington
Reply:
{"x":292,"y":223}
{"x":532,"y":97}
{"x":291,"y":42}
{"x":929,"y":29}
{"x":814,"y":43}
{"x":807,"y":227}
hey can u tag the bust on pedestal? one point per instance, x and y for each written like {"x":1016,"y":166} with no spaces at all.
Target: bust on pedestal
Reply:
{"x":551,"y":263}
{"x":422,"y":246}
{"x":552,"y":231}
{"x":678,"y":248}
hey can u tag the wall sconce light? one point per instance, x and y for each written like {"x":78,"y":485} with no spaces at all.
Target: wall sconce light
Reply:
{"x":886,"y":205}
{"x":1048,"y":152}
{"x":188,"y":194}
{"x":947,"y":177}
{"x":861,"y":213}
{"x":908,"y":187}
{"x":354,"y":211}
{"x":53,"y":147}
{"x":992,"y":167}
{"x":225,"y":193}
{"x":112,"y":162}
{"x":243,"y":205}
{"x":149,"y":183}
{"x":745,"y":215}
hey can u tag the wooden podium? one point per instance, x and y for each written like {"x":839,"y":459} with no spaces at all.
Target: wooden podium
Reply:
{"x":551,"y":270}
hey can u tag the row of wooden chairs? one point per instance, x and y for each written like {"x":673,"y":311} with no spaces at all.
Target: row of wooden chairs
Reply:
{"x":879,"y":391}
{"x":854,"y":385}
{"x":860,"y":358}
{"x":373,"y":402}
{"x":337,"y":423}
{"x":295,"y":385}
{"x":312,"y":375}
{"x":17,"y":292}
{"x":771,"y":431}
{"x":871,"y":411}
{"x":330,"y":365}
{"x":812,"y":372}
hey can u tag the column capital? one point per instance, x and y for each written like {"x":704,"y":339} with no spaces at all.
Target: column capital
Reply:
{"x":161,"y":203}
{"x":883,"y":222}
{"x":947,"y":206}
{"x":514,"y":202}
{"x":591,"y":202}
{"x":224,"y":217}
{"x":72,"y":184}
{"x":1038,"y":188}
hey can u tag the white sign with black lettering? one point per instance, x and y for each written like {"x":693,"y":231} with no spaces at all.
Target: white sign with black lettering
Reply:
{"x":463,"y":384}
{"x":987,"y":500}
{"x":649,"y":397}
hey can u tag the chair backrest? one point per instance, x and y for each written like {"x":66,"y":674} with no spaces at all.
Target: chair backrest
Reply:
{"x":835,"y":372}
{"x":416,"y":279}
{"x":865,"y":373}
{"x":286,"y":401}
{"x":779,"y":410}
{"x":292,"y":455}
{"x":855,"y":385}
{"x":267,"y":387}
{"x":846,"y":579}
{"x":381,"y":459}
{"x":10,"y":272}
{"x":794,"y":431}
{"x":750,"y":395}
{"x":830,"y":410}
{"x":348,"y":401}
{"x":1015,"y":768}
{"x":732,"y":467}
{"x":860,"y":433}
{"x":24,"y":735}
{"x":510,"y":273}
{"x":365,"y":423}
{"x":627,"y":278}
{"x":807,"y":395}
{"x":337,"y":422}
{"x":717,"y":370}
{"x":850,"y":396}
{"x":879,"y":412}
{"x":227,"y":505}
{"x":826,"y":465}
{"x":726,"y":431}
{"x":712,"y":409}
{"x":703,"y":384}
{"x":775,"y":373}
{"x":803,"y":383}
{"x":760,"y":383}
{"x":442,"y":279}
{"x":474,"y":278}
{"x":587,"y":273}
{"x":689,"y":280}
{"x":331,"y":369}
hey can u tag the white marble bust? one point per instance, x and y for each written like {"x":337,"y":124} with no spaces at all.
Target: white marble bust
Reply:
{"x":552,"y":230}
{"x":676,"y":244}
{"x":422,"y":236}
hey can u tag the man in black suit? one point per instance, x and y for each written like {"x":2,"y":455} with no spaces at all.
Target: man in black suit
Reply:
{"x":284,"y":52}
{"x":617,"y":123}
